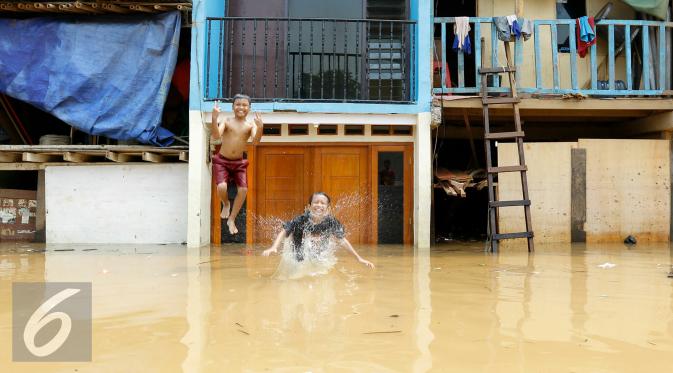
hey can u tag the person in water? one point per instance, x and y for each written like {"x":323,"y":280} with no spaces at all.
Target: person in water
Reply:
{"x":311,"y":231}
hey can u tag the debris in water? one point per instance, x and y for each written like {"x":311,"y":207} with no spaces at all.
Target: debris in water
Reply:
{"x":64,"y":249}
{"x":607,"y":265}
{"x":630,"y":240}
{"x":243,"y":331}
{"x":384,"y":332}
{"x":394,"y":316}
{"x":239,"y":325}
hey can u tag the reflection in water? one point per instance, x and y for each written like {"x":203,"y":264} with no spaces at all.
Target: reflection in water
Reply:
{"x":453,"y":308}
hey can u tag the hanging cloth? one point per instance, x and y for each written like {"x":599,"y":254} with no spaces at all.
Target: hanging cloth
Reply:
{"x":461,"y":30}
{"x":587,"y":34}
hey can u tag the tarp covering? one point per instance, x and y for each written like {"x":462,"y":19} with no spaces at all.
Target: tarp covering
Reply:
{"x":105,"y":75}
{"x":655,"y":8}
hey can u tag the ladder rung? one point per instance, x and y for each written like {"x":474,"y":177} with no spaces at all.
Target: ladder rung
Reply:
{"x":523,"y":202}
{"x":495,"y":170}
{"x":506,"y":236}
{"x":500,"y":100}
{"x":497,"y":70}
{"x":503,"y":135}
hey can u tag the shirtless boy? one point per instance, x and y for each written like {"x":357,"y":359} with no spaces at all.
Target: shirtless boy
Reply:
{"x":229,"y":164}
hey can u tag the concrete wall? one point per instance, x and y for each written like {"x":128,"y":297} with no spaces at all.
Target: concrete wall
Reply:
{"x":627,"y":190}
{"x":144,"y":203}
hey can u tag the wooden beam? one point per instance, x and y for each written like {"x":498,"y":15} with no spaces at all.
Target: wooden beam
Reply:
{"x":153,"y":157}
{"x":120,"y":157}
{"x":76,"y":157}
{"x":184,"y":156}
{"x":10,"y":157}
{"x":653,"y":123}
{"x":116,"y":9}
{"x":40,"y":157}
{"x":588,"y":104}
{"x":519,"y":8}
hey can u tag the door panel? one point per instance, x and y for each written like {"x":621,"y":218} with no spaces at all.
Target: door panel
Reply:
{"x":282,"y":187}
{"x":343,"y":173}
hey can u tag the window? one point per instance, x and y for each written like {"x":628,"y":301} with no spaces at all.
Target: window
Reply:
{"x":568,"y":9}
{"x":271,"y":130}
{"x":354,"y":129}
{"x":327,"y":129}
{"x":297,"y":129}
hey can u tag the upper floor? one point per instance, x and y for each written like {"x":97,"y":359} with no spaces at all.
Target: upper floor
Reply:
{"x":392,"y":56}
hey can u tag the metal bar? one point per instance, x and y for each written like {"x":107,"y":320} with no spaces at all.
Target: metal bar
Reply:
{"x":322,"y":53}
{"x":346,"y":60}
{"x":611,"y":56}
{"x":662,"y":57}
{"x":334,"y":60}
{"x":208,"y":28}
{"x":242,"y":68}
{"x":627,"y":44}
{"x":220,"y":62}
{"x":300,"y":81}
{"x":231,"y":58}
{"x":554,"y":56}
{"x":310,"y":69}
{"x":288,"y":67}
{"x":379,"y":56}
{"x":390,"y":68}
{"x":538,"y":55}
{"x":573,"y":56}
{"x":443,"y":66}
{"x":367,"y":33}
{"x":477,"y":51}
{"x":275,"y":64}
{"x":266,"y":56}
{"x":357,"y":59}
{"x":646,"y":57}
{"x":254,"y":55}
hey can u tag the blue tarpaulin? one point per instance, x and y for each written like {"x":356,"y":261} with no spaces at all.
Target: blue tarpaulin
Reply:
{"x":105,"y":75}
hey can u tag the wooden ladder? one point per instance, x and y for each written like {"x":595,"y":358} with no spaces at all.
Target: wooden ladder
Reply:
{"x":518,"y":134}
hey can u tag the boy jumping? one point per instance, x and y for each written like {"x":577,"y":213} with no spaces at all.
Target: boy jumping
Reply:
{"x":228,"y":163}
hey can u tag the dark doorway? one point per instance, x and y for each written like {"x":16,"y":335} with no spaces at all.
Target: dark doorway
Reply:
{"x":458,"y":8}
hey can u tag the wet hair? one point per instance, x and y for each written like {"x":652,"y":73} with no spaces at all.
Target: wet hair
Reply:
{"x":310,"y":199}
{"x":240,"y":96}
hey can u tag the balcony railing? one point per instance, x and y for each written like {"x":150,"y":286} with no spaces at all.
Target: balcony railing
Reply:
{"x":310,"y":60}
{"x":644,"y":70}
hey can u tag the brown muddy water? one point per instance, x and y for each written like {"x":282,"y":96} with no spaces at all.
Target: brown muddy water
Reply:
{"x":593,"y":308}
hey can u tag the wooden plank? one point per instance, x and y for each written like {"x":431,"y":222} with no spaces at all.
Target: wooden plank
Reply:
{"x":508,"y":236}
{"x":504,"y":135}
{"x":573,"y":57}
{"x":523,"y":202}
{"x":662,"y":57}
{"x":501,"y":100}
{"x":594,"y":67}
{"x":153,"y":157}
{"x":10,"y":157}
{"x":611,"y":57}
{"x":444,"y":46}
{"x":538,"y":56}
{"x":627,"y":45}
{"x":497,"y":70}
{"x":478,"y":51}
{"x":578,"y":193}
{"x":121,"y":157}
{"x":76,"y":157}
{"x":554,"y":57}
{"x":646,"y":57}
{"x":40,"y":157}
{"x":495,"y":170}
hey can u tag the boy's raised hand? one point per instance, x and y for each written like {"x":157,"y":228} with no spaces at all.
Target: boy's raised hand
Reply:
{"x":258,"y":120}
{"x":216,"y":108}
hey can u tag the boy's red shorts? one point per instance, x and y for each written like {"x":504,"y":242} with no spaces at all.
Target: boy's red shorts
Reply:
{"x":226,"y":170}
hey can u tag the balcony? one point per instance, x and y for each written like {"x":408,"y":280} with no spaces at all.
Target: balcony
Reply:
{"x":310,"y":60}
{"x":629,"y":59}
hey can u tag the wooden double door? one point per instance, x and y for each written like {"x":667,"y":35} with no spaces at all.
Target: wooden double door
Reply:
{"x":285,"y":176}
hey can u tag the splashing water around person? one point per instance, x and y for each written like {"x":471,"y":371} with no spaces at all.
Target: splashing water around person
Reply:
{"x":310,"y":240}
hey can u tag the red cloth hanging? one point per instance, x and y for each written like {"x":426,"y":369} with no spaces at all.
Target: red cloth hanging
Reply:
{"x":583,"y":46}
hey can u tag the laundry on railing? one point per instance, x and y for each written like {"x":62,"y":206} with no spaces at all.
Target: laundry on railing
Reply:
{"x":586,"y":34}
{"x":510,"y":28}
{"x":461,"y":30}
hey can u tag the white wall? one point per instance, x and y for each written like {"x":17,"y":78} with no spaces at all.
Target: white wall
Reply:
{"x":129,"y":203}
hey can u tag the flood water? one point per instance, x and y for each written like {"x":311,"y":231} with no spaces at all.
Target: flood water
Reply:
{"x":580,"y":308}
